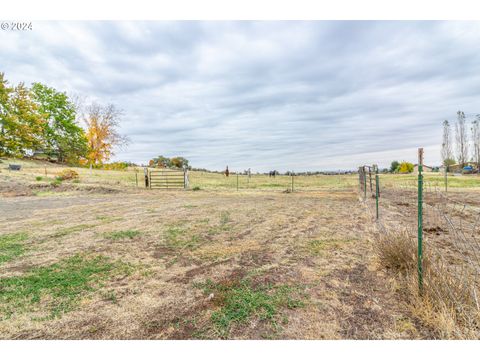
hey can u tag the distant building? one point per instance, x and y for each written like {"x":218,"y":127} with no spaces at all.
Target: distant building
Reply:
{"x":425,"y":168}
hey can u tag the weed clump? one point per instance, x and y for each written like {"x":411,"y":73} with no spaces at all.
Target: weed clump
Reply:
{"x":241,"y":301}
{"x":447,"y":302}
{"x":122,"y":234}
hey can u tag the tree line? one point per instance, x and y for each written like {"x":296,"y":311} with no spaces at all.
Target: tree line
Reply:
{"x":465,"y":147}
{"x":41,"y":119}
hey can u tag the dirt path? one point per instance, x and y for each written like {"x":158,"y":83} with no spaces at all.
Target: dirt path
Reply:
{"x":319,"y":241}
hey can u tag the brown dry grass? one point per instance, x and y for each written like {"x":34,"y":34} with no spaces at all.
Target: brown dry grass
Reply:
{"x":447,"y":304}
{"x":318,"y":241}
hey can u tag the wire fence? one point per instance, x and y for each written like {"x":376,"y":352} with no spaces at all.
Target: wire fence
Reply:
{"x":444,"y":228}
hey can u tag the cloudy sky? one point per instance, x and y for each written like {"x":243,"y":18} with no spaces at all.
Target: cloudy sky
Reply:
{"x":263,"y":95}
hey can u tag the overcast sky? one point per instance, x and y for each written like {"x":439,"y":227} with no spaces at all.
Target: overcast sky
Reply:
{"x":263,"y":95}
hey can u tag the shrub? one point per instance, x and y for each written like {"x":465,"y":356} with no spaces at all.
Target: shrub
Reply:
{"x":56,"y":182}
{"x":394,"y":166}
{"x":115,"y":166}
{"x":67,"y":174}
{"x":405,"y":167}
{"x":196,"y":188}
{"x":39,"y":178}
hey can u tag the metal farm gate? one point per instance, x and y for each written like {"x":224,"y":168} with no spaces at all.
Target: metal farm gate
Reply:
{"x":167,"y":179}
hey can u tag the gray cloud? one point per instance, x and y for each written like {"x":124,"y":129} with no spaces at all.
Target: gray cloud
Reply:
{"x":285,"y":95}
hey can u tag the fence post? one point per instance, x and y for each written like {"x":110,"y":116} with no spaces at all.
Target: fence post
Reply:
{"x":364,"y":183}
{"x":292,"y":182}
{"x":237,"y":181}
{"x":377,"y":187}
{"x":370,"y":178}
{"x":446,"y":178}
{"x":136,"y":177}
{"x":360,"y":184}
{"x":420,"y":221}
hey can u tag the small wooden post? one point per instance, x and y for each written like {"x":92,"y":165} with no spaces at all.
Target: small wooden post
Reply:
{"x":292,"y":181}
{"x":237,"y":181}
{"x":136,"y":177}
{"x":145,"y":173}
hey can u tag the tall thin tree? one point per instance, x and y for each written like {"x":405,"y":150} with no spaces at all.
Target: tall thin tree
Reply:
{"x":476,"y":140}
{"x":446,"y":153}
{"x":461,"y":139}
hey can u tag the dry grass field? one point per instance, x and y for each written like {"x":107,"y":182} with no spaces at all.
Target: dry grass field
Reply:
{"x":99,"y":258}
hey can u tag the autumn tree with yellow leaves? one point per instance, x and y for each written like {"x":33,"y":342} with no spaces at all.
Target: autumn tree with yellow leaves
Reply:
{"x":102,"y":124}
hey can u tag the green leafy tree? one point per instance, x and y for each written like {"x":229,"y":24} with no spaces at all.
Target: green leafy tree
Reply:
{"x":23,"y":129}
{"x":165,"y":162}
{"x":394,"y":166}
{"x":179,"y":162}
{"x":5,"y":113}
{"x":449,"y":162}
{"x":63,"y":137}
{"x":161,"y":161}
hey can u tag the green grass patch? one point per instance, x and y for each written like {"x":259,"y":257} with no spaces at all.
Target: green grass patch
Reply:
{"x":196,"y":188}
{"x":240,"y":302}
{"x":39,"y":178}
{"x":57,"y":182}
{"x":71,"y":230}
{"x":11,"y":246}
{"x":178,"y":237}
{"x":56,"y":288}
{"x":122,"y":234}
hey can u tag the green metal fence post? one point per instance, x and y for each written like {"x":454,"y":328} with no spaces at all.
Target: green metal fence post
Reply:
{"x":370,"y":179}
{"x":237,"y":181}
{"x":292,"y":182}
{"x":377,"y":186}
{"x":420,"y":221}
{"x":359,"y":178}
